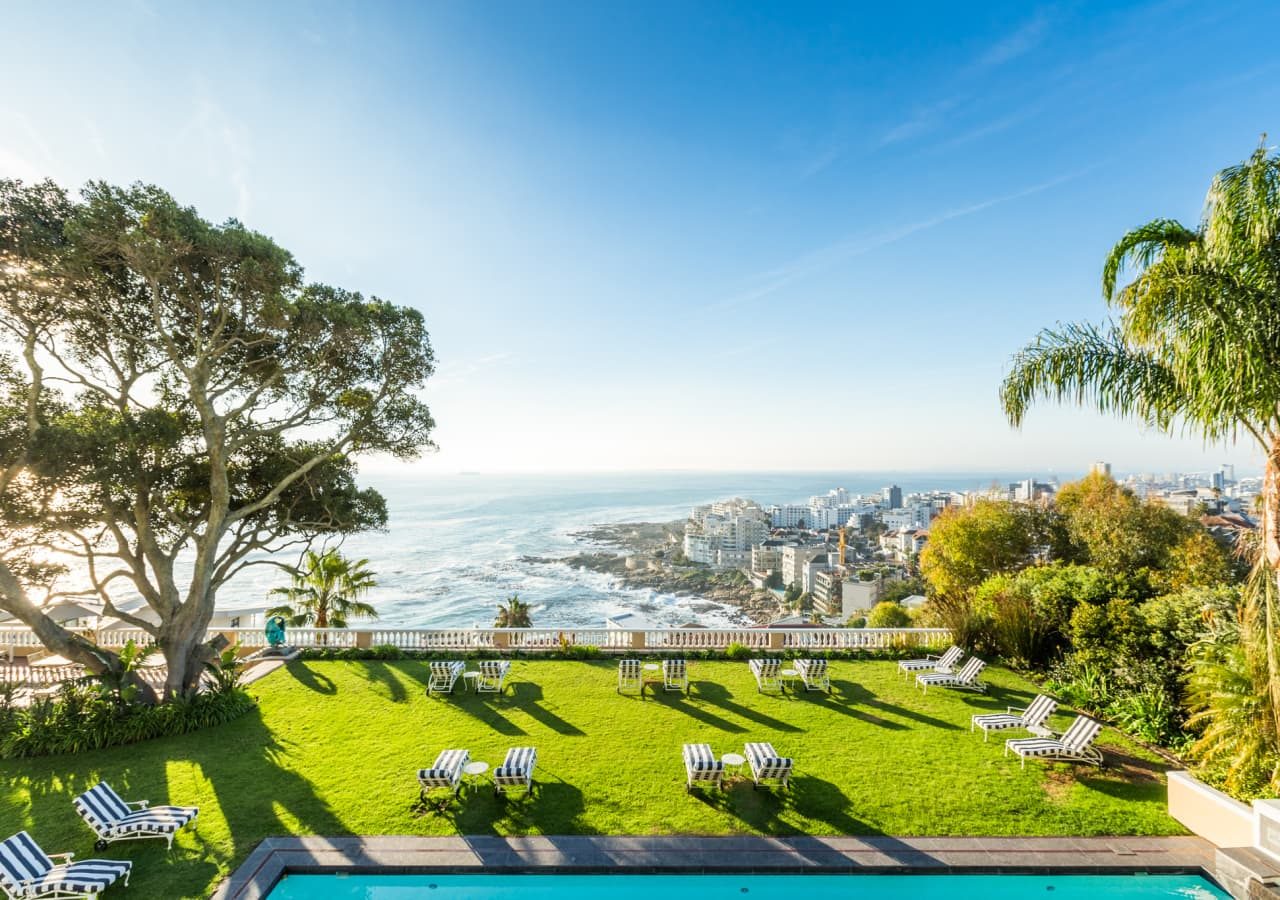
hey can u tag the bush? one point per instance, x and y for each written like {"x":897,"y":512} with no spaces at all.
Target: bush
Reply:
{"x":737,"y":651}
{"x":887,"y":614}
{"x":857,"y":622}
{"x":81,"y":719}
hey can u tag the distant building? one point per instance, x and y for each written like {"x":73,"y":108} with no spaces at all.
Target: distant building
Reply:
{"x":722,"y":534}
{"x":795,"y":558}
{"x":891,"y":496}
{"x":1101,"y":468}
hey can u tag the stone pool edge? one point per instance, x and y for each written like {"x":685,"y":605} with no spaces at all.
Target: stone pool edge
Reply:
{"x":582,"y":854}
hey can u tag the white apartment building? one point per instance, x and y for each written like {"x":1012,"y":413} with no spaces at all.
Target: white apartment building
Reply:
{"x":794,"y":559}
{"x":917,"y":515}
{"x":810,"y":570}
{"x":722,"y":534}
{"x":789,"y":516}
{"x":904,"y":543}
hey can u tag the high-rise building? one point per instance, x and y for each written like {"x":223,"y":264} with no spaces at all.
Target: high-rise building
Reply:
{"x":1229,"y":473}
{"x":1101,"y":468}
{"x":891,"y":496}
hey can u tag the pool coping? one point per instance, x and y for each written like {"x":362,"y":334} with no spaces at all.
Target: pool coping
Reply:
{"x":651,"y":854}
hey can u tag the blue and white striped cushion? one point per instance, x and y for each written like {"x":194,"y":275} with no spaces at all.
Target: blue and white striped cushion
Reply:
{"x":92,"y":876}
{"x":446,"y":770}
{"x":157,"y":820}
{"x":21,"y":859}
{"x":997,"y":721}
{"x":700,"y":762}
{"x":517,"y":765}
{"x":101,"y":807}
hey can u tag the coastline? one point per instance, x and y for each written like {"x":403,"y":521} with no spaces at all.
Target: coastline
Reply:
{"x":642,"y":555}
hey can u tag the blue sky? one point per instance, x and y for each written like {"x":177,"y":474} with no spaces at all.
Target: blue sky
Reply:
{"x":686,"y":235}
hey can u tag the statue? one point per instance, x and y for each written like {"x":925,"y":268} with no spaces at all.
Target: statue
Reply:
{"x":275,"y":632}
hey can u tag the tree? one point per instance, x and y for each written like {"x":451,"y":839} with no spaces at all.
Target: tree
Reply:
{"x":176,"y":404}
{"x":1109,"y":527}
{"x":887,"y":614}
{"x":325,"y":591}
{"x":899,"y":589}
{"x":513,"y":614}
{"x":773,"y":580}
{"x":967,"y":545}
{"x":1194,"y":348}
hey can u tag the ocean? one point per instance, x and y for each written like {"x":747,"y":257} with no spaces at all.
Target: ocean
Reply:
{"x":455,"y":545}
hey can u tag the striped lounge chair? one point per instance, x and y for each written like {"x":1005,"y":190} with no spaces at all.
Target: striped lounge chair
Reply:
{"x":700,"y":764}
{"x":964,"y":680}
{"x":1075,"y":745}
{"x":1033,"y":718}
{"x":767,"y":765}
{"x":813,"y":672}
{"x":675,"y":675}
{"x":768,"y":673}
{"x":112,"y":819}
{"x":26,"y":871}
{"x":944,"y":664}
{"x":444,"y":675}
{"x":516,"y":770}
{"x":445,"y":772}
{"x":630,"y":676}
{"x":493,"y":674}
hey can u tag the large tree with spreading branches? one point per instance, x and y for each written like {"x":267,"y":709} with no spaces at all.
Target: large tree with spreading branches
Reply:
{"x":177,"y":403}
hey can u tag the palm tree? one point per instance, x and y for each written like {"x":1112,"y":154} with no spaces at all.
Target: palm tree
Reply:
{"x":1194,"y":347}
{"x":513,"y":614}
{"x":324,"y":591}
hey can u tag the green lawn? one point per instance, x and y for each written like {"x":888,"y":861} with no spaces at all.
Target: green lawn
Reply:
{"x":335,"y":745}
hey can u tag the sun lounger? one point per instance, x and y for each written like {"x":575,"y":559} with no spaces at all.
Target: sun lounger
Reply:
{"x":965,"y":680}
{"x":768,"y":673}
{"x":630,"y":676}
{"x":1033,"y":718}
{"x":813,"y":672}
{"x":26,"y":871}
{"x":700,"y":764}
{"x":1075,"y":745}
{"x":516,"y":770}
{"x":112,"y":819}
{"x":444,"y":675}
{"x":767,"y":765}
{"x":944,"y":664}
{"x":445,"y":772}
{"x":675,"y":675}
{"x":493,"y":674}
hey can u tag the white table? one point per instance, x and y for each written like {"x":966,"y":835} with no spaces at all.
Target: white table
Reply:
{"x":736,"y":760}
{"x":790,"y":677}
{"x":475,"y":770}
{"x":470,"y":679}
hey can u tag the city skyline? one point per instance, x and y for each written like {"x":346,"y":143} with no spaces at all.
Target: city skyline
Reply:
{"x":689,"y":238}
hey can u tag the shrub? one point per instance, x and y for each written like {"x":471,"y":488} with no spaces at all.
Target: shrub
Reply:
{"x":888,"y":614}
{"x":81,"y":719}
{"x":737,"y":651}
{"x":858,"y":622}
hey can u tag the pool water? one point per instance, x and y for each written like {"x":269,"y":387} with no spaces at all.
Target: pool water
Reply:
{"x":741,"y":887}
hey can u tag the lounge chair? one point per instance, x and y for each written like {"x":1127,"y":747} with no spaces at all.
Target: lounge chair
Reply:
{"x":493,"y":674}
{"x":768,"y":674}
{"x":630,"y":676}
{"x":700,"y":764}
{"x":516,"y":770}
{"x":767,"y":765}
{"x":112,"y":819}
{"x":1033,"y":718}
{"x":445,"y":772}
{"x":675,"y":675}
{"x":26,"y":871}
{"x":944,"y":664}
{"x":444,"y":675}
{"x":813,"y":672}
{"x":1075,"y":745}
{"x":965,"y":680}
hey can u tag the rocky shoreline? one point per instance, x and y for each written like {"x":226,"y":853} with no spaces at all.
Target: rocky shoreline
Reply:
{"x":648,"y":555}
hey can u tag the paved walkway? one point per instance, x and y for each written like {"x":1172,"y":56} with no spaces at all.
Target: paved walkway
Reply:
{"x":274,"y":856}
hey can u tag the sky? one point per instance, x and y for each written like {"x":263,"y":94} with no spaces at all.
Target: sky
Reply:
{"x":709,"y":236}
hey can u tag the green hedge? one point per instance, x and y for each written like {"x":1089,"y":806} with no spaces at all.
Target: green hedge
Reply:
{"x":80,"y":718}
{"x":732,"y":652}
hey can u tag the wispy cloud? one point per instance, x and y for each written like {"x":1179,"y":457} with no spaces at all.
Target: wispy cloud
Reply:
{"x":831,"y":255}
{"x":225,"y":144}
{"x":455,"y":373}
{"x":922,"y":121}
{"x":1020,"y":42}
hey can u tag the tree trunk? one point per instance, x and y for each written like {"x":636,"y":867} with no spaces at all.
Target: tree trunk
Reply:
{"x":56,"y":639}
{"x":1270,"y":549}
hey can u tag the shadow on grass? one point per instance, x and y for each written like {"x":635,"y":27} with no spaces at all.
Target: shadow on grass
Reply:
{"x":856,"y":693}
{"x":718,"y":695}
{"x":807,"y":796}
{"x":554,"y":807}
{"x":380,"y":673}
{"x":527,"y":697}
{"x":309,"y":678}
{"x":681,"y":703}
{"x":837,"y":704}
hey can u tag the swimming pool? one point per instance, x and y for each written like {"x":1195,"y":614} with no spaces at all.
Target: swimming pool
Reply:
{"x":741,"y":887}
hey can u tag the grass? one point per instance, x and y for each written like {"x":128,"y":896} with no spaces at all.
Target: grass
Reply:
{"x":334,"y":747}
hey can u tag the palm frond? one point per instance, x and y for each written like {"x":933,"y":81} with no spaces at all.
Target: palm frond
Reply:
{"x":1141,"y":247}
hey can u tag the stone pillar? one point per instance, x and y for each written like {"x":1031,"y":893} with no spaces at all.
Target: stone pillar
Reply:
{"x":364,"y":639}
{"x":501,"y":640}
{"x":775,"y":640}
{"x":638,"y":640}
